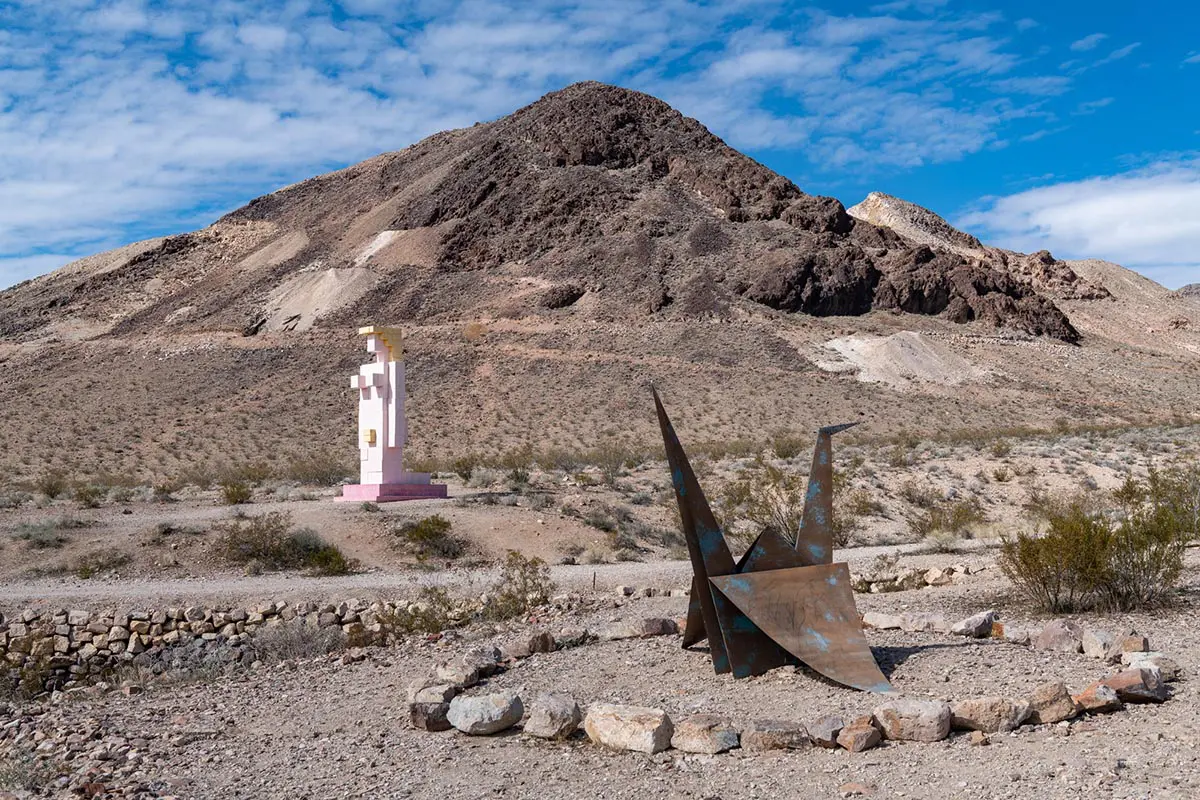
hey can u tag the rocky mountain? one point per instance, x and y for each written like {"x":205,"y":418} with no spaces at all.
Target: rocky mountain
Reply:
{"x":545,"y":267}
{"x":593,"y":202}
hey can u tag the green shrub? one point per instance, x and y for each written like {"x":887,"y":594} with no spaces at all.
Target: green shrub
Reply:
{"x":919,"y":496}
{"x":1001,"y":448}
{"x":267,"y":539}
{"x":787,"y":445}
{"x":431,"y":537}
{"x":464,"y":466}
{"x":98,"y":561}
{"x":1093,"y":559}
{"x":235,"y":492}
{"x":49,"y":535}
{"x":89,"y":495}
{"x":51,"y":483}
{"x":369,"y":507}
{"x":524,"y":584}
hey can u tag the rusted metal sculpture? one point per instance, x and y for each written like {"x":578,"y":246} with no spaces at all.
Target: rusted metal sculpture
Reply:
{"x":778,"y":604}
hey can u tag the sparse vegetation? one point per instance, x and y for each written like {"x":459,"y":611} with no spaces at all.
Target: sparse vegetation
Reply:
{"x":523,"y":585}
{"x":235,"y":492}
{"x":316,"y":468}
{"x":296,"y":640}
{"x":22,"y":771}
{"x":99,"y":561}
{"x":268,"y":539}
{"x":431,"y":537}
{"x":954,"y":517}
{"x":51,"y":482}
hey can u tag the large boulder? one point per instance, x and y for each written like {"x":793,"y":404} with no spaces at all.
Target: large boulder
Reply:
{"x":482,"y":715}
{"x":704,"y":733}
{"x":913,"y":720}
{"x":1062,"y":636}
{"x":987,"y":714}
{"x":554,"y":715}
{"x":978,"y":626}
{"x":1051,"y":702}
{"x":645,"y":730}
{"x":770,"y":734}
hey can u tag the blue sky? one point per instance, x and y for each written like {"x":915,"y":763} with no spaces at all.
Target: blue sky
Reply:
{"x":1070,"y":126}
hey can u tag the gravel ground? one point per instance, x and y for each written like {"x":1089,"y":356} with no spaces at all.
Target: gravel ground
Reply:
{"x":324,"y":729}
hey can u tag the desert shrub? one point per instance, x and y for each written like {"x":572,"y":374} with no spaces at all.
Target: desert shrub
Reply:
{"x":14,"y":499}
{"x":956,"y":517}
{"x":1089,"y":558}
{"x":369,"y":507}
{"x":611,"y":458}
{"x":464,"y":466}
{"x":202,"y":476}
{"x":235,"y":492}
{"x":1001,"y":475}
{"x":787,"y":445}
{"x":268,"y":540}
{"x":429,"y":613}
{"x":21,"y":770}
{"x":163,"y":490}
{"x":1001,"y":448}
{"x":51,"y":483}
{"x":88,"y":495}
{"x":524,"y":584}
{"x":316,"y":468}
{"x":42,"y":535}
{"x":296,"y":640}
{"x":431,"y":537}
{"x":918,"y":495}
{"x":99,"y":561}
{"x":768,"y":497}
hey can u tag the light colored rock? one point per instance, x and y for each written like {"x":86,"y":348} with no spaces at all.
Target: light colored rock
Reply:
{"x":704,"y":733}
{"x":1061,"y":636}
{"x":1138,"y":685}
{"x":883,"y":622}
{"x":1097,"y":644}
{"x":824,"y":732}
{"x":624,"y":591}
{"x":977,"y":626}
{"x":938,"y":577}
{"x":482,"y":715}
{"x":859,"y":735}
{"x":484,"y":659}
{"x":923,"y":622}
{"x":644,"y":730}
{"x":770,"y":734}
{"x":553,"y":715}
{"x":1167,"y":666}
{"x":910,"y":579}
{"x":913,"y":720}
{"x":437,"y":693}
{"x":1098,"y":699}
{"x":1051,"y":702}
{"x":988,"y":714}
{"x":457,"y":673}
{"x":979,"y":739}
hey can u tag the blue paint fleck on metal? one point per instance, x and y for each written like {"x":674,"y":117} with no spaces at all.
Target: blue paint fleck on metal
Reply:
{"x":829,"y":616}
{"x":819,"y":516}
{"x":814,"y":490}
{"x":677,"y":478}
{"x":824,"y":458}
{"x":881,"y":688}
{"x":820,"y":641}
{"x":832,"y":580}
{"x":817,"y":550}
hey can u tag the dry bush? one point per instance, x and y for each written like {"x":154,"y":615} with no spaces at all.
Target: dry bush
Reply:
{"x":919,"y":496}
{"x":49,"y":534}
{"x":235,"y":492}
{"x":955,"y":517}
{"x":22,"y":771}
{"x":474,"y":331}
{"x":317,"y":468}
{"x":1116,"y":559}
{"x":787,"y":445}
{"x":99,"y":561}
{"x":296,"y":640}
{"x":431,"y":537}
{"x":51,"y":483}
{"x":524,"y":584}
{"x":89,"y":495}
{"x":430,"y":613}
{"x":269,"y":541}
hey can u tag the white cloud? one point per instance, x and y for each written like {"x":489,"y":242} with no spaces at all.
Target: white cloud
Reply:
{"x":121,"y":119}
{"x":1144,"y":219}
{"x":1193,"y":58}
{"x":1118,"y":54}
{"x":1088,"y":42}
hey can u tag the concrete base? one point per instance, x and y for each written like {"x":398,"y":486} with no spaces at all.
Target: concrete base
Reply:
{"x":392,"y":492}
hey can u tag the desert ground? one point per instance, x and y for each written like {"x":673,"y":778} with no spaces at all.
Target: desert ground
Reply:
{"x":303,"y":722}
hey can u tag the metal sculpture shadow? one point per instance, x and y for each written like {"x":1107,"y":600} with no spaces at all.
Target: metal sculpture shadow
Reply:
{"x":778,"y":604}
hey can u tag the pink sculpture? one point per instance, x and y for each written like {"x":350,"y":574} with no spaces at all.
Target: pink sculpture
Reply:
{"x":382,"y":429}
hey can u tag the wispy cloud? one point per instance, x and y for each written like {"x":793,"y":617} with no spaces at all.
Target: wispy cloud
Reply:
{"x":1193,"y":58}
{"x":121,"y":119}
{"x":1144,"y":218}
{"x":1118,"y":54}
{"x":1092,"y":106}
{"x":1088,"y":42}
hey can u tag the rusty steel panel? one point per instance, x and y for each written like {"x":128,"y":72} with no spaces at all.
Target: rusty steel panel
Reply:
{"x":736,"y":644}
{"x":778,"y":603}
{"x":815,"y":540}
{"x":810,"y":612}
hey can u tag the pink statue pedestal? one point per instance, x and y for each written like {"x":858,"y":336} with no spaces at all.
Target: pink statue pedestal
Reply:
{"x":382,"y":429}
{"x":415,"y":487}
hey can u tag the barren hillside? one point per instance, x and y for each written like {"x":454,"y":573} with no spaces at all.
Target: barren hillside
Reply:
{"x":546,"y":267}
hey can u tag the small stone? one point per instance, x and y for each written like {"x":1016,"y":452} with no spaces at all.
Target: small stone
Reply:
{"x":1167,"y":666}
{"x":458,"y":674}
{"x":485,"y":659}
{"x":979,"y":739}
{"x":856,"y":789}
{"x":658,"y":626}
{"x":644,"y":730}
{"x":429,"y":716}
{"x":1138,"y":685}
{"x":770,"y":734}
{"x":553,"y":715}
{"x":987,"y":714}
{"x":1051,"y":702}
{"x":978,"y":626}
{"x":922,"y":622}
{"x":1097,"y":644}
{"x":482,"y":715}
{"x":913,"y":720}
{"x":1098,"y":699}
{"x":704,"y":733}
{"x":130,"y":689}
{"x":571,"y":637}
{"x":1061,"y":636}
{"x":1019,"y":636}
{"x":824,"y":732}
{"x":624,"y":591}
{"x":883,"y":622}
{"x":938,"y":577}
{"x":859,"y":735}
